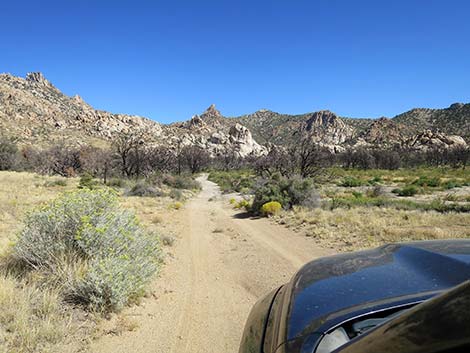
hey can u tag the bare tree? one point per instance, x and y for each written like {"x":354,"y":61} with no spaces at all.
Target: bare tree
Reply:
{"x":159,"y":158}
{"x":195,"y":158}
{"x":228,"y":160}
{"x":386,"y":159}
{"x":276,"y":161}
{"x":8,"y":153}
{"x":61,"y":159}
{"x":129,"y":148}
{"x":96,"y":161}
{"x":360,"y":158}
{"x":310,"y":159}
{"x":460,"y":157}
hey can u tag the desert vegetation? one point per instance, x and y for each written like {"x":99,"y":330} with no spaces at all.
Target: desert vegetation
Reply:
{"x":71,"y":243}
{"x":357,"y":199}
{"x":67,"y":257}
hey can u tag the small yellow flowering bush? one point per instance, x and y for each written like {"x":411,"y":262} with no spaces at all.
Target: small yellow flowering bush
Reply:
{"x":271,"y":208}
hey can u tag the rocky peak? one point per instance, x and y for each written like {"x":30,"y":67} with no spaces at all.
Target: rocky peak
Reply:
{"x":323,"y":119}
{"x":456,"y":106}
{"x":326,"y":128}
{"x":78,"y":98}
{"x":38,"y":78}
{"x":211,"y":113}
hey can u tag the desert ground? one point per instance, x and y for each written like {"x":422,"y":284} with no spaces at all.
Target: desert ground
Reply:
{"x":221,"y":264}
{"x":218,"y":261}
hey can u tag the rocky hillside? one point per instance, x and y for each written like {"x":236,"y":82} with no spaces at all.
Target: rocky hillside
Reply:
{"x":34,"y":111}
{"x":454,"y":120}
{"x":444,"y":128}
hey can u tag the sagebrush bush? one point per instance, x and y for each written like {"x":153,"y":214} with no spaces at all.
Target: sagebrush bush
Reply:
{"x":117,"y":182}
{"x":144,"y":189}
{"x":407,"y":191}
{"x":176,"y":194}
{"x":271,"y":208}
{"x":427,"y":181}
{"x":452,"y":184}
{"x":87,"y":182}
{"x":357,"y":194}
{"x":350,"y":182}
{"x":96,"y":253}
{"x":375,"y":180}
{"x":180,"y":182}
{"x":288,"y":192}
{"x":56,"y":182}
{"x":233,"y":180}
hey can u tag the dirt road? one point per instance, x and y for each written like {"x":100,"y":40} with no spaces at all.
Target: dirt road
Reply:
{"x":220,"y":265}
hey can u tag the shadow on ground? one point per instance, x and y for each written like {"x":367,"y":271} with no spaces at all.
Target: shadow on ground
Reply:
{"x":245,"y":215}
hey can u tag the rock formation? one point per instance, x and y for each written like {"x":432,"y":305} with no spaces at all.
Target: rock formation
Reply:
{"x":33,"y":110}
{"x":429,"y":140}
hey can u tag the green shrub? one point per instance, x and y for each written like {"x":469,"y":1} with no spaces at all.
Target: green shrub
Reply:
{"x":144,"y":189}
{"x":180,"y":182}
{"x":271,"y":208}
{"x":424,"y":181}
{"x":243,"y":204}
{"x":233,"y":181}
{"x":117,"y":182}
{"x":357,"y":194}
{"x":350,"y":182}
{"x":56,"y":182}
{"x":87,"y":182}
{"x":452,"y":184}
{"x":96,"y":253}
{"x":176,"y":194}
{"x":375,"y":180}
{"x":288,"y":192}
{"x":407,"y":191}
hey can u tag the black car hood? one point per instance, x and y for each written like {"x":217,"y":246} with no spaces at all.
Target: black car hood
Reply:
{"x":339,"y":284}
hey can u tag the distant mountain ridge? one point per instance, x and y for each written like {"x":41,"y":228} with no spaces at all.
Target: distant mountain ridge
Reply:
{"x":34,"y":111}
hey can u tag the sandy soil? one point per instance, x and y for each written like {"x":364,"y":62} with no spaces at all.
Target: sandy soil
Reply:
{"x":220,"y":265}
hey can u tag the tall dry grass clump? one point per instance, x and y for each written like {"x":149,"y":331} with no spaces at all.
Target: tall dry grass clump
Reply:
{"x":31,"y":319}
{"x":365,"y":227}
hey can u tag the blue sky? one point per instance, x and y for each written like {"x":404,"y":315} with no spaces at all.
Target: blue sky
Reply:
{"x":168,"y":60}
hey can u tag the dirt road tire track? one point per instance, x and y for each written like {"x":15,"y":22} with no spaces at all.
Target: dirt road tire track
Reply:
{"x":221,"y":265}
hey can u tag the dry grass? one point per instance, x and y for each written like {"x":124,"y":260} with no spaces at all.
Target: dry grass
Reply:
{"x":362,"y":227}
{"x":33,"y":319}
{"x":19,"y":193}
{"x":153,"y":212}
